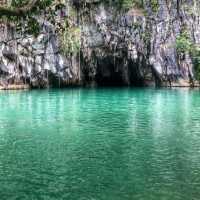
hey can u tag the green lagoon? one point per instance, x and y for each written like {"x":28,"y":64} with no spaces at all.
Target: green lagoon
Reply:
{"x":100,"y":144}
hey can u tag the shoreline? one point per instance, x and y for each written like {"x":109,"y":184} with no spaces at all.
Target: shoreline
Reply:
{"x":15,"y":87}
{"x":28,"y":87}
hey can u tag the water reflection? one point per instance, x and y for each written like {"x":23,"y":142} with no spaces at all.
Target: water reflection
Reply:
{"x":100,"y":144}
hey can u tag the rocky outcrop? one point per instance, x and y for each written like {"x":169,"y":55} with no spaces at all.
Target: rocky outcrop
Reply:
{"x":136,"y":47}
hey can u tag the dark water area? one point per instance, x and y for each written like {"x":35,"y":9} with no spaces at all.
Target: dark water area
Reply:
{"x":100,"y":144}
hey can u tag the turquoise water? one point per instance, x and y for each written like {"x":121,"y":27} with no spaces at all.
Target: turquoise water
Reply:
{"x":100,"y":144}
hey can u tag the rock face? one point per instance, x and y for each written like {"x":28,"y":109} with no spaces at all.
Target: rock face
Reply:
{"x":136,"y":47}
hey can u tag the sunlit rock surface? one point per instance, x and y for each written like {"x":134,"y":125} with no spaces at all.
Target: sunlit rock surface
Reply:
{"x":136,"y":47}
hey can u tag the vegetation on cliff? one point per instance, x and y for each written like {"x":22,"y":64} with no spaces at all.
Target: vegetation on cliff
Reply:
{"x":135,"y":29}
{"x":23,"y":7}
{"x":185,"y":45}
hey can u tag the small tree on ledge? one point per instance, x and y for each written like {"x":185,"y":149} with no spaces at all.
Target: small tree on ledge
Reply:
{"x":7,"y":9}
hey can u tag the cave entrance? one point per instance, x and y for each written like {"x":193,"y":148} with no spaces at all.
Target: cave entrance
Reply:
{"x":110,"y":72}
{"x":120,"y":73}
{"x":135,"y":75}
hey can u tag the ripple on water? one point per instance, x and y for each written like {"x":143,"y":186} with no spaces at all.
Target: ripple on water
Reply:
{"x":100,"y":144}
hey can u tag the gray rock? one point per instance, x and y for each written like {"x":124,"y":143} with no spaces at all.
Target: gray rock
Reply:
{"x":133,"y":48}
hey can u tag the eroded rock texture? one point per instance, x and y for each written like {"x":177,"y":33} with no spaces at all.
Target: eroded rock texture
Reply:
{"x":136,"y":47}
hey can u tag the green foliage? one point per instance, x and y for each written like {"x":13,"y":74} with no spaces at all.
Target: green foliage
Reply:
{"x":183,"y":42}
{"x":146,"y":36}
{"x":19,"y":3}
{"x":42,"y":4}
{"x":127,"y":4}
{"x":70,"y":38}
{"x":154,"y":5}
{"x":32,"y":24}
{"x":195,"y":52}
{"x":33,"y":27}
{"x":185,"y":45}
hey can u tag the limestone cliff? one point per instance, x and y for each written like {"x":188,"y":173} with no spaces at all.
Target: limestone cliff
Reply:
{"x":94,"y":42}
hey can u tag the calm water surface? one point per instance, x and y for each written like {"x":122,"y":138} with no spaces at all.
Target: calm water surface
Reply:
{"x":100,"y":144}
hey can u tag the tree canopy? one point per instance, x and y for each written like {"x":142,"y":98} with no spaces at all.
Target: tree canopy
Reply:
{"x":17,"y":11}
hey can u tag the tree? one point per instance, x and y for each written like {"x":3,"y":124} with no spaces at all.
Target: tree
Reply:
{"x":18,"y":11}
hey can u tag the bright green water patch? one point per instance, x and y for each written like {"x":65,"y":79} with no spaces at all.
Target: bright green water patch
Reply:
{"x":103,"y":144}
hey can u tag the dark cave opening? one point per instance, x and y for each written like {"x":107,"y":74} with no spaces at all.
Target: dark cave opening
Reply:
{"x":135,"y":76}
{"x":115,"y":79}
{"x":119,"y":72}
{"x":110,"y":72}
